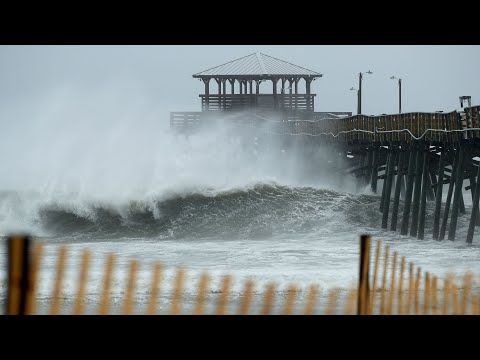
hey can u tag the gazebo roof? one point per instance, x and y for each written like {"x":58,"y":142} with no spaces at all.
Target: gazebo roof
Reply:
{"x":257,"y":65}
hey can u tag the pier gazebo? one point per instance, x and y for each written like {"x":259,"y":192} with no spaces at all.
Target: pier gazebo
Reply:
{"x":235,"y":87}
{"x":248,"y":73}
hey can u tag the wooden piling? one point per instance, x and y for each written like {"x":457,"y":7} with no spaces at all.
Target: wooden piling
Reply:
{"x":448,"y":201}
{"x":409,"y":191}
{"x":374,"y":173}
{"x":398,"y":185}
{"x":386,"y":201}
{"x":438,"y":195}
{"x":472,"y":190}
{"x":417,"y":192}
{"x":423,"y":198}
{"x":475,"y":212}
{"x":457,"y":194}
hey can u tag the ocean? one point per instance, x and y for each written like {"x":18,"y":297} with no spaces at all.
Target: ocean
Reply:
{"x":209,"y":202}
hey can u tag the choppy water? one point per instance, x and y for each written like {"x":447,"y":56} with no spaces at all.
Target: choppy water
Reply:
{"x":206,"y":203}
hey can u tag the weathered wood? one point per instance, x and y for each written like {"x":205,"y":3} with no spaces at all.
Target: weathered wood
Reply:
{"x":429,"y":189}
{"x":448,"y":201}
{"x":388,"y":189}
{"x":472,"y":190}
{"x":416,"y":194}
{"x":408,"y":193}
{"x":457,"y":194}
{"x":363,"y":283}
{"x":423,"y":197}
{"x":398,"y":186}
{"x":438,"y":196}
{"x":474,"y":215}
{"x":376,"y":154}
{"x":384,"y":188}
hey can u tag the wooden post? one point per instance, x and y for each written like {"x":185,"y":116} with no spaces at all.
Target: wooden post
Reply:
{"x":384,"y":187}
{"x":154,"y":289}
{"x":363,"y":283}
{"x":457,"y":194}
{"x":408,"y":194}
{"x":426,"y":294}
{"x":130,"y":288}
{"x":473,"y":217}
{"x":472,"y":191}
{"x":175,"y":306}
{"x":451,"y":185}
{"x":374,"y":282}
{"x":416,"y":194}
{"x":384,"y":281}
{"x":36,"y":255}
{"x":423,"y":196}
{"x":310,"y":300}
{"x":408,"y":305}
{"x":17,"y":270}
{"x":376,"y":154}
{"x":388,"y":191}
{"x":438,"y":195}
{"x":107,"y":284}
{"x":268,"y":299}
{"x":396,"y":198}
{"x":246,"y":299}
{"x":400,"y":287}
{"x":290,"y":298}
{"x":82,"y":283}
{"x":392,"y":284}
{"x":57,"y":287}
{"x":417,"y":287}
{"x":223,"y":297}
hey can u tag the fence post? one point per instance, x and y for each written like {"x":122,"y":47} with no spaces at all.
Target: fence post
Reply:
{"x":18,"y":274}
{"x":363,"y":283}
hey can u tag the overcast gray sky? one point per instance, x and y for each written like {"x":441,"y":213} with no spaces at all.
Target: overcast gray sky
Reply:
{"x":158,"y":79}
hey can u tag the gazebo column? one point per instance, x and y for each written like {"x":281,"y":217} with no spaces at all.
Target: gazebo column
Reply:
{"x":308,"y":82}
{"x":206,"y":81}
{"x":224,"y":97}
{"x":219,"y":83}
{"x":232,"y":84}
{"x":296,"y":92}
{"x":240,"y":85}
{"x":275,"y":100}
{"x":258,"y":86}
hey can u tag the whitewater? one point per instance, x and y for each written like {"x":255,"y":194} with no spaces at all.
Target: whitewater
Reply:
{"x":211,"y":202}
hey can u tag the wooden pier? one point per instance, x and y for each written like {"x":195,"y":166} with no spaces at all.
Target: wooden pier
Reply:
{"x":412,"y":155}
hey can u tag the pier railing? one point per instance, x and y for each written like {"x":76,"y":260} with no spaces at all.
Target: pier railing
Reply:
{"x":390,"y":286}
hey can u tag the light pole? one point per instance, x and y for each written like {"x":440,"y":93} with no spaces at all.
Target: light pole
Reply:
{"x":360,"y":77}
{"x":399,"y":93}
{"x":358,"y":99}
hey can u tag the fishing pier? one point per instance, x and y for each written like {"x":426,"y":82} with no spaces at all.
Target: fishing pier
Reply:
{"x":409,"y":159}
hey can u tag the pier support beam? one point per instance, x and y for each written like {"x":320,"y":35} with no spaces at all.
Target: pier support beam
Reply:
{"x":457,"y":194}
{"x":416,"y":194}
{"x":474,"y":216}
{"x":376,"y":154}
{"x":408,"y":192}
{"x":438,"y":195}
{"x":423,"y":196}
{"x":398,"y":186}
{"x":448,"y":201}
{"x":388,"y":188}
